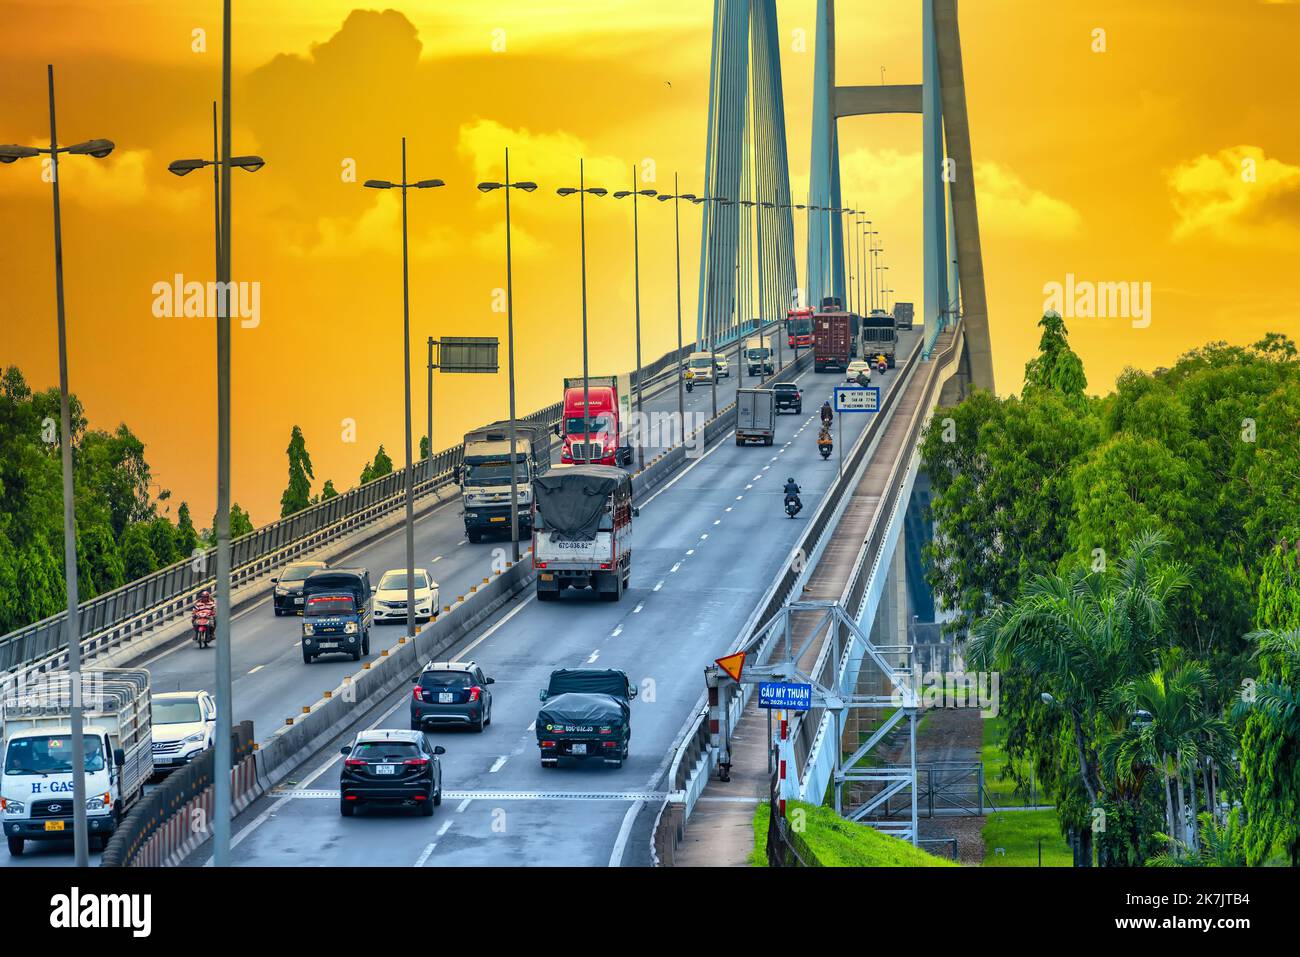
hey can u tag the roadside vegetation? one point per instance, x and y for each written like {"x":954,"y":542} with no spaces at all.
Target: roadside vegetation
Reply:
{"x":1130,"y":564}
{"x":1015,"y":838}
{"x":836,"y":842}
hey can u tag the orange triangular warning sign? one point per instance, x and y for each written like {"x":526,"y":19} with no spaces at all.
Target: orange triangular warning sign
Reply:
{"x":732,"y":664}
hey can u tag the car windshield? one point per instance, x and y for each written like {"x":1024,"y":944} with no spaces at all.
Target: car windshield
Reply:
{"x":396,"y":581}
{"x":296,"y":573}
{"x":50,"y":754}
{"x":177,"y":711}
{"x":445,"y":679}
{"x":329,"y":605}
{"x":495,"y":473}
{"x":700,"y":362}
{"x":599,"y":423}
{"x":385,"y":751}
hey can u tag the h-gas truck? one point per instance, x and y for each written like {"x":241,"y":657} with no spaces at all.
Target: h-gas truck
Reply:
{"x":485,"y":475}
{"x":36,"y":725}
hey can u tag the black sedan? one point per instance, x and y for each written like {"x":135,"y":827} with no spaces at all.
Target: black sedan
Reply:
{"x":393,"y":767}
{"x":287,"y":599}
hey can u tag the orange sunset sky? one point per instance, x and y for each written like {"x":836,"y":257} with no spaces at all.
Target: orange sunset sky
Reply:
{"x":1122,"y":165}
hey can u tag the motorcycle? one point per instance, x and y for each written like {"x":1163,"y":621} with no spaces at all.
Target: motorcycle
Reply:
{"x":690,"y":383}
{"x":204,"y":623}
{"x":792,"y":505}
{"x":882,"y":366}
{"x":825,"y":446}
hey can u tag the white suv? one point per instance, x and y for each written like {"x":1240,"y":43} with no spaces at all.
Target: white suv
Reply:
{"x":390,"y":596}
{"x":184,"y":726}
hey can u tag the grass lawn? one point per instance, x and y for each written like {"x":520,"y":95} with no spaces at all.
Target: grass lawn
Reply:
{"x":1003,"y":792}
{"x":1019,"y":833}
{"x":841,"y":843}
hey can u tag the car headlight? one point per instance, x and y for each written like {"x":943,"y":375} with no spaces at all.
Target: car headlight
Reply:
{"x":196,"y":736}
{"x":11,"y":806}
{"x":308,"y":629}
{"x":350,"y":628}
{"x":98,"y":802}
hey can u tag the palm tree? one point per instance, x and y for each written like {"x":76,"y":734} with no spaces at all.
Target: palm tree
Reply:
{"x":1080,"y":635}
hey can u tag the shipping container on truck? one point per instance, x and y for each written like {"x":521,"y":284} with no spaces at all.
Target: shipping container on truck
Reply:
{"x":879,"y":336}
{"x":485,"y":475}
{"x":831,"y":341}
{"x":582,"y":530}
{"x":608,"y":439}
{"x":36,"y":725}
{"x":903,"y":315}
{"x":755,"y":416}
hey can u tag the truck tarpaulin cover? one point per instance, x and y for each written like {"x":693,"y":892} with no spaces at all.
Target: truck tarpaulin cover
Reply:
{"x":588,"y":681}
{"x":570,"y":500}
{"x":581,"y":709}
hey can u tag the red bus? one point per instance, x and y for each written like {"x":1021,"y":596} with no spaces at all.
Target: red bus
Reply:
{"x":799,"y":328}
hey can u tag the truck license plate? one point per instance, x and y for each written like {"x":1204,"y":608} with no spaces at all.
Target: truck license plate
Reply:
{"x":577,"y":748}
{"x":385,"y":768}
{"x":329,"y":644}
{"x":53,"y":825}
{"x":547,"y":576}
{"x":498,"y":518}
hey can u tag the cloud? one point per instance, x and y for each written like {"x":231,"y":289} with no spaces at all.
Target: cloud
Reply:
{"x":114,"y":182}
{"x":1238,"y":195}
{"x":1010,"y":207}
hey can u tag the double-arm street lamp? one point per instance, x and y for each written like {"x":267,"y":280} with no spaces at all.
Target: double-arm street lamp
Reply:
{"x":403,"y":185}
{"x":712,"y":332}
{"x":583,"y":190}
{"x":677,"y":233}
{"x":636,"y":272}
{"x":71,"y":626}
{"x":507,"y":186}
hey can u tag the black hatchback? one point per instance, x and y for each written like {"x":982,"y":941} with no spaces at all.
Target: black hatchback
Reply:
{"x":393,"y":767}
{"x":789,"y":397}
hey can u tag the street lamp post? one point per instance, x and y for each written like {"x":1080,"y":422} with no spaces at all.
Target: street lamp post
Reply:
{"x":711,"y":332}
{"x":582,"y":190}
{"x":71,"y":625}
{"x":527,"y":187}
{"x":636,"y":272}
{"x":677,"y":233}
{"x":403,"y":185}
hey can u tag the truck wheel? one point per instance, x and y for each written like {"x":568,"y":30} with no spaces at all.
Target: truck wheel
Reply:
{"x":474,"y":537}
{"x":739,"y":440}
{"x":356,"y":655}
{"x":768,"y":440}
{"x":16,"y":844}
{"x":306,"y":657}
{"x":365,"y":642}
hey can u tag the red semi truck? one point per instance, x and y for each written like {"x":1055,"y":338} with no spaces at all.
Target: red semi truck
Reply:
{"x":832,"y":341}
{"x":606,"y":440}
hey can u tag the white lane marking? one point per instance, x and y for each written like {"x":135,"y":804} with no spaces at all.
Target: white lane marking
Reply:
{"x":757,"y":477}
{"x":497,"y":765}
{"x":682,"y":474}
{"x":739,"y":497}
{"x":658,"y":586}
{"x":533,"y":726}
{"x":594,"y":655}
{"x":747,"y":488}
{"x":462,"y":542}
{"x":488,"y":634}
{"x":674,"y":568}
{"x":257,"y":669}
{"x":635,"y":611}
{"x":624,"y":832}
{"x":616,"y":632}
{"x":765,"y":468}
{"x":773,"y":458}
{"x":446,"y":825}
{"x":437,"y":558}
{"x":704,"y":536}
{"x":727,"y":509}
{"x":719,"y":521}
{"x":690,"y":551}
{"x":424,"y":855}
{"x":463,"y":804}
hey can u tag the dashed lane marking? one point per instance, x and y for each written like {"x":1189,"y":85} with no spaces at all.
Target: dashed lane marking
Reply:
{"x":424,"y":855}
{"x":497,"y":765}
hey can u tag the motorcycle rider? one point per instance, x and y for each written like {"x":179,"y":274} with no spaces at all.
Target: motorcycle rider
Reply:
{"x":204,"y":605}
{"x":792,"y":492}
{"x":827,"y":414}
{"x":882,"y":363}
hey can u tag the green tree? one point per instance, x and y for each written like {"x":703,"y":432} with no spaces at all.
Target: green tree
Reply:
{"x":138,"y":558}
{"x":1057,"y":367}
{"x":381,"y":466}
{"x":187,"y":538}
{"x":162,"y":540}
{"x":99,"y":564}
{"x":1270,"y":741}
{"x":298,"y":493}
{"x":328,"y":491}
{"x":241,"y":523}
{"x":424,"y":446}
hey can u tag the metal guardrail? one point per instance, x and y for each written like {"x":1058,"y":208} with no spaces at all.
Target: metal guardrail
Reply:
{"x":125,"y":612}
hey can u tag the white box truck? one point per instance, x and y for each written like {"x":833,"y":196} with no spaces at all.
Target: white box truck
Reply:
{"x":755,"y":416}
{"x":758,"y":355}
{"x":35,"y":723}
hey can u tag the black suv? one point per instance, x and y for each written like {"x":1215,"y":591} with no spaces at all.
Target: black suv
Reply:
{"x":336,"y":615}
{"x":451,"y":693}
{"x":788,"y":397}
{"x":390,"y":766}
{"x":288,"y":586}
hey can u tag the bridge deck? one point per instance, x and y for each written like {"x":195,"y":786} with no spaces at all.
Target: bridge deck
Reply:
{"x":720,"y":831}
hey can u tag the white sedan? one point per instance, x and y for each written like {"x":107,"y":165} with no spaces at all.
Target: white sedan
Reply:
{"x":855,"y":367}
{"x":390,"y":596}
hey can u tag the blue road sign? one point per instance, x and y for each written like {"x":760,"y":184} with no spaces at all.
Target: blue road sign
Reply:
{"x":853,"y":398}
{"x":779,"y":694}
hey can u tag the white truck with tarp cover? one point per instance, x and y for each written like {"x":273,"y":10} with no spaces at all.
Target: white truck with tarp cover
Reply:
{"x":582,"y":530}
{"x":485,"y":475}
{"x":755,"y":416}
{"x":36,"y":726}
